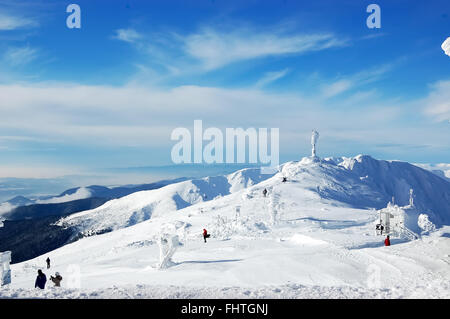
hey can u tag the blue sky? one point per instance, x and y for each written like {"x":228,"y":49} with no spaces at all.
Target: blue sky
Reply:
{"x":108,"y":95}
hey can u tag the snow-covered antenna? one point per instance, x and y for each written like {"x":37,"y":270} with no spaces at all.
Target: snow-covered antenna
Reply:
{"x":411,"y":197}
{"x":314,"y":139}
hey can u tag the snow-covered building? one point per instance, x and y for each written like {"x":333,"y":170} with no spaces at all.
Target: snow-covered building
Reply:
{"x":399,"y":221}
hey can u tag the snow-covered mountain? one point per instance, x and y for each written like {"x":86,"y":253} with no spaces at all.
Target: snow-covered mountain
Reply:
{"x":140,"y":206}
{"x":311,"y":236}
{"x":69,"y":201}
{"x":359,"y":182}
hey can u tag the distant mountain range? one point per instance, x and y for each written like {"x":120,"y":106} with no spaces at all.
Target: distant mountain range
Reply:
{"x":74,"y":200}
{"x":29,"y":229}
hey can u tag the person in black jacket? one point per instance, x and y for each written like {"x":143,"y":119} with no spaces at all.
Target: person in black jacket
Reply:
{"x":48,"y":262}
{"x":265,"y":192}
{"x":40,"y":280}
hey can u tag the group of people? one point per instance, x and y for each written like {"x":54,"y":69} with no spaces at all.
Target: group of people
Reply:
{"x":380,"y":228}
{"x":41,"y":278}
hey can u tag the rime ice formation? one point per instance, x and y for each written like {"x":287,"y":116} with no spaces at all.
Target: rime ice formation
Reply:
{"x":168,"y":244}
{"x":314,"y":139}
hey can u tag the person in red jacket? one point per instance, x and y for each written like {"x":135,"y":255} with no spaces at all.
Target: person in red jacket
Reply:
{"x":205,"y":234}
{"x":387,"y":242}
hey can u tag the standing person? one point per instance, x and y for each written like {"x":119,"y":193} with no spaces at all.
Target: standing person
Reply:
{"x":41,"y":279}
{"x":48,"y":262}
{"x":205,"y":234}
{"x":265,"y":192}
{"x":387,"y":242}
{"x":57,"y":279}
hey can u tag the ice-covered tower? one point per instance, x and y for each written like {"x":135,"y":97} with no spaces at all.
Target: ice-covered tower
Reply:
{"x":314,"y":139}
{"x":5,"y":271}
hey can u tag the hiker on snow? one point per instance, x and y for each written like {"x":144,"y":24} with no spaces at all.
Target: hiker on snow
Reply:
{"x":48,"y":262}
{"x":387,"y":242}
{"x":205,"y":234}
{"x":265,"y":192}
{"x":57,"y":279}
{"x":41,"y":279}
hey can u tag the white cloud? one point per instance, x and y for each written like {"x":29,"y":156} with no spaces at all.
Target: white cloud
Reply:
{"x":270,"y":77}
{"x":145,"y":116}
{"x":437,"y":104}
{"x":10,"y":22}
{"x":19,"y":56}
{"x":440,"y":169}
{"x":81,"y":193}
{"x":347,"y":83}
{"x":4,"y":209}
{"x":127,"y":35}
{"x":35,"y":171}
{"x":336,"y":88}
{"x":218,"y":48}
{"x":446,"y":46}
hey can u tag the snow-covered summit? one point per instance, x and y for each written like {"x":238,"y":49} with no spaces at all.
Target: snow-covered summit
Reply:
{"x":357,"y":182}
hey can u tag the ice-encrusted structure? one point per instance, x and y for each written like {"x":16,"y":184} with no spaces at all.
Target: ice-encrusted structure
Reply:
{"x":403,"y":221}
{"x":314,"y":139}
{"x":5,"y":271}
{"x":168,"y":244}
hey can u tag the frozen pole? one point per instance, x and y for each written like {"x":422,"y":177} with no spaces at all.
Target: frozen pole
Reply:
{"x":411,"y":197}
{"x":314,"y":139}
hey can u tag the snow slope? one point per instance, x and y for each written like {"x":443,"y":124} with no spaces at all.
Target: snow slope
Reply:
{"x":360,"y":182}
{"x":312,"y":236}
{"x":140,"y":206}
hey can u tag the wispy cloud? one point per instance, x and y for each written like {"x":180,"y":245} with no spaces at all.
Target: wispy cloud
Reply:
{"x":216,"y":48}
{"x":437,"y":104}
{"x":11,"y":22}
{"x":346,"y":83}
{"x":20,"y":56}
{"x":270,"y":77}
{"x":211,"y":48}
{"x":335,"y":88}
{"x":127,"y":35}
